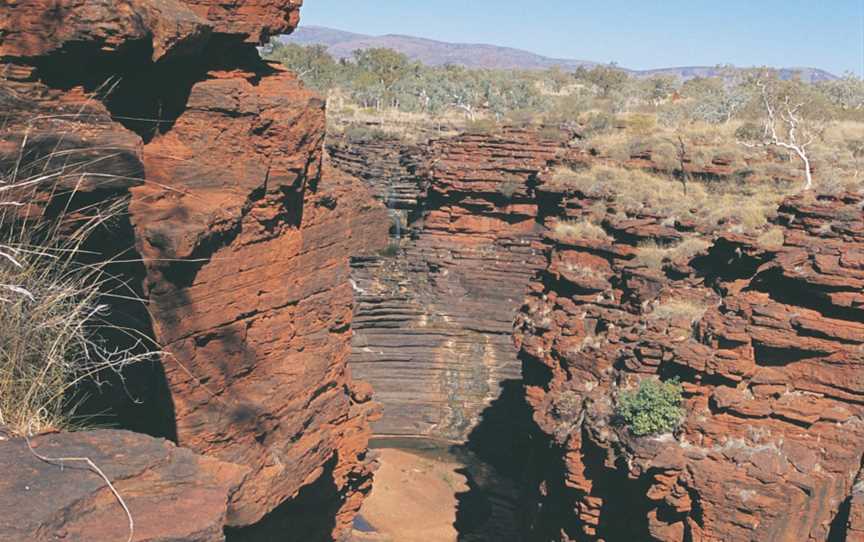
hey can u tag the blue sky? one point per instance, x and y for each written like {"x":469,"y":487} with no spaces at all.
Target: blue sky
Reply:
{"x":637,"y":34}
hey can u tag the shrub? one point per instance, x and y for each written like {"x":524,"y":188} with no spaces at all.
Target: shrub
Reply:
{"x":481,"y":127}
{"x":665,"y":155}
{"x":641,"y":124}
{"x":772,"y":239}
{"x":728,"y":155}
{"x":651,"y":255}
{"x":749,"y":131}
{"x":554,"y":134}
{"x":639,"y":146}
{"x":856,"y":147}
{"x":597,"y":123}
{"x":655,"y":407}
{"x":390,"y":250}
{"x":699,"y":159}
{"x":685,"y":250}
{"x":366,"y":134}
{"x":715,"y":205}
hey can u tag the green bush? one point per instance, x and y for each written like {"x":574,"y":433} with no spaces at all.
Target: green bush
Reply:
{"x":750,"y":131}
{"x":597,"y":123}
{"x":653,"y":408}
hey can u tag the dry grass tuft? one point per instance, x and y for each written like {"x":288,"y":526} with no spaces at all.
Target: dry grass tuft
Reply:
{"x":685,"y":250}
{"x":679,"y":309}
{"x":651,"y":255}
{"x":717,"y":206}
{"x":571,"y":229}
{"x":772,"y":239}
{"x":654,"y":256}
{"x":54,"y":308}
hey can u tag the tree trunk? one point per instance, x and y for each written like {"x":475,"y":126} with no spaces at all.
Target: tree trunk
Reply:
{"x":807,"y":172}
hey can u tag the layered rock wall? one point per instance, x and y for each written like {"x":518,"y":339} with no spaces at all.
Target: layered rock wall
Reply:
{"x":433,"y":322}
{"x":389,"y":167}
{"x":767,"y":343}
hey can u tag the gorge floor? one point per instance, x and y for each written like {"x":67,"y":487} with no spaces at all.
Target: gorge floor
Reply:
{"x":432,"y":491}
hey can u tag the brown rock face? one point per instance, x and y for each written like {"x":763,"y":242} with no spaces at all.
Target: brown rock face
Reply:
{"x":256,"y":20}
{"x":433,"y":322}
{"x":768,"y":350}
{"x":172,"y":493}
{"x":35,"y":28}
{"x":243,"y":234}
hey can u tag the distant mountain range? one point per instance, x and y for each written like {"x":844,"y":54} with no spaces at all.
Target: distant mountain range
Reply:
{"x":342,"y":44}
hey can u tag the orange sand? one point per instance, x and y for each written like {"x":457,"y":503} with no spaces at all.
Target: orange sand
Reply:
{"x":413,"y":499}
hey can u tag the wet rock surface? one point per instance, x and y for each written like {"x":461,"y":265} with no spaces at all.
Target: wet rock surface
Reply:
{"x":434,"y":319}
{"x":390,"y":168}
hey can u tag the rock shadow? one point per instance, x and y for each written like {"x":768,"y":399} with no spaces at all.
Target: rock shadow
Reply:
{"x":309,"y":517}
{"x":495,"y":455}
{"x":138,"y":398}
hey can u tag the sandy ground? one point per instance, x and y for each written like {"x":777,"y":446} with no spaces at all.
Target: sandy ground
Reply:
{"x":413,"y":499}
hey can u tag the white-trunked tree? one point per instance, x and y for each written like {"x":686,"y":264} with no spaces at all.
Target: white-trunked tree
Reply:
{"x":786,"y":124}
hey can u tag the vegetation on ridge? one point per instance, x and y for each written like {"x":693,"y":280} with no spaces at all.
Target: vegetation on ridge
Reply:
{"x":653,"y":408}
{"x":680,"y":126}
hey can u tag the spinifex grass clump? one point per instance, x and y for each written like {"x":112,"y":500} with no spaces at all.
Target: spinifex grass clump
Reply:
{"x":655,"y":407}
{"x":53,"y":307}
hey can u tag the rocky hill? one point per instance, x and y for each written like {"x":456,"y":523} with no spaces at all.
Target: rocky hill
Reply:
{"x":342,"y":44}
{"x":274,"y":266}
{"x":767,"y":343}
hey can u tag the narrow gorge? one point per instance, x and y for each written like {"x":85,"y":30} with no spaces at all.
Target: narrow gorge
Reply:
{"x":765,"y":342}
{"x":469,"y":306}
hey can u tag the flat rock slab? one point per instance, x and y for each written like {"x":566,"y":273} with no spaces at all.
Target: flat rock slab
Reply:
{"x":172,"y":493}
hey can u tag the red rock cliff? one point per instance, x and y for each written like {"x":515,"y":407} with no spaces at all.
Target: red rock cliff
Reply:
{"x":244,"y":236}
{"x":771,"y":445}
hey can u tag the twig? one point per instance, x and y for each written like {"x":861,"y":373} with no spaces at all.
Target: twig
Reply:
{"x":58,"y":461}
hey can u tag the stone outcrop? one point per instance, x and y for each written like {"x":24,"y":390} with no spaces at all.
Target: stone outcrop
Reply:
{"x":389,"y":167}
{"x":767,"y":343}
{"x":244,"y":236}
{"x":171,"y":493}
{"x":433,"y":321}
